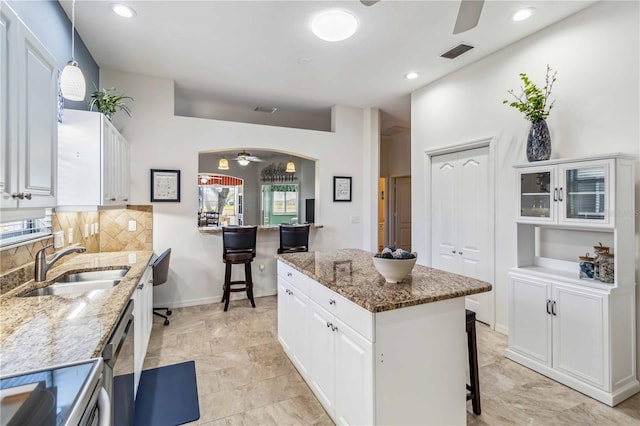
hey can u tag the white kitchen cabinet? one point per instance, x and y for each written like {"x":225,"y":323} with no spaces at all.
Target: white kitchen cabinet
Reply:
{"x":94,"y":161}
{"x":292,"y":324}
{"x":28,"y":136}
{"x":143,"y":320}
{"x":576,"y":193}
{"x":580,"y":332}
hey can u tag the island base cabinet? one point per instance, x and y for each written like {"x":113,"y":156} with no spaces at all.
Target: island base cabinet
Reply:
{"x":420,"y":365}
{"x":143,"y":321}
{"x":341,"y":369}
{"x":292,"y":324}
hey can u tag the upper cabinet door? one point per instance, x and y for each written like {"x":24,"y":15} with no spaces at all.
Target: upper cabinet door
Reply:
{"x":8,"y":110}
{"x":586,"y":192}
{"x":538,"y":194}
{"x":38,"y":140}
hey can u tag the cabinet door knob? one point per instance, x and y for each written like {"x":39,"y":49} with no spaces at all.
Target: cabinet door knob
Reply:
{"x":332,"y":302}
{"x":453,"y":251}
{"x":289,"y":274}
{"x":27,"y":195}
{"x":329,"y":324}
{"x":460,"y":252}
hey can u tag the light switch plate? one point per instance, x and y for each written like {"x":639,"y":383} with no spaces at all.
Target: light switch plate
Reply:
{"x":93,"y":228}
{"x":70,"y":235}
{"x":58,"y":239}
{"x":97,"y":228}
{"x":132,"y":225}
{"x":86,"y":230}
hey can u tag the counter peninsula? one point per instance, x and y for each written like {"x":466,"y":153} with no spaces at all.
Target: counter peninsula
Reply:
{"x":374,"y":352}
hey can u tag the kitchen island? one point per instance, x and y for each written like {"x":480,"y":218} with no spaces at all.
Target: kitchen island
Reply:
{"x":374,"y":352}
{"x":43,"y":331}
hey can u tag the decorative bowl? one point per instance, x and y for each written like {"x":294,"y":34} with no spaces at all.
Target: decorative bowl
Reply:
{"x":394,"y":270}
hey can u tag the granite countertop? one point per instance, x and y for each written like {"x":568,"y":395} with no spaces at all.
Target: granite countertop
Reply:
{"x":350,"y":273}
{"x":48,"y":330}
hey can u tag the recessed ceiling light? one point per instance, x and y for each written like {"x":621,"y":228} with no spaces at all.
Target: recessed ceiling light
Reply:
{"x":523,"y":14}
{"x":334,"y":25}
{"x":411,"y":75}
{"x":123,"y":10}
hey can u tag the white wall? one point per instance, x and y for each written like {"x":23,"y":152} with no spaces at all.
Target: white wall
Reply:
{"x":596,"y":53}
{"x":161,"y":140}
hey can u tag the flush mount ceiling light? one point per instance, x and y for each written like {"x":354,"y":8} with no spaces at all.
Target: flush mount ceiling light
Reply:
{"x":223,"y":164}
{"x":72,"y":84}
{"x":523,"y":14}
{"x":122,"y":10}
{"x":411,"y":75}
{"x":291,"y":167}
{"x":334,"y":25}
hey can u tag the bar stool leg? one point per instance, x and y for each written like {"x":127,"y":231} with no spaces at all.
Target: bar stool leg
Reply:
{"x":227,"y":286}
{"x":249,"y":280}
{"x":474,"y":378}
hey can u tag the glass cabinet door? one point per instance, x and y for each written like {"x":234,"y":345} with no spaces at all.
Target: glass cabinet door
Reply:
{"x":585,"y":194}
{"x":536,"y":190}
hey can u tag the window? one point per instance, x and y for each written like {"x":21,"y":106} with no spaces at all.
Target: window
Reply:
{"x":285,"y":202}
{"x":25,"y":230}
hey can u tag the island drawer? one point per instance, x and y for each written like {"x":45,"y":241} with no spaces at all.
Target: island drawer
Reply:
{"x":351,"y":314}
{"x":294,"y":277}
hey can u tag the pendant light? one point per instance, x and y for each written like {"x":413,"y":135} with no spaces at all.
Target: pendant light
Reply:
{"x":223,"y":164}
{"x":72,"y":84}
{"x":291,"y":167}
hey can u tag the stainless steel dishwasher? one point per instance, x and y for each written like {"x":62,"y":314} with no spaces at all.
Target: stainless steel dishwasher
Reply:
{"x":118,"y":361}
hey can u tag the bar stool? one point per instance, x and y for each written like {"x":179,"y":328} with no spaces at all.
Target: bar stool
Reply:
{"x":473,"y":389}
{"x":239,"y":247}
{"x":294,"y":238}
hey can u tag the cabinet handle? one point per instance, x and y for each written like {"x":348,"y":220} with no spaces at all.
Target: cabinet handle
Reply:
{"x":460,"y":253}
{"x":140,"y":286}
{"x":560,"y":197}
{"x":27,"y":195}
{"x":553,"y":308}
{"x":334,"y":328}
{"x":112,"y":199}
{"x":555,"y":194}
{"x":125,"y":199}
{"x":17,"y":195}
{"x":332,"y":302}
{"x":548,"y":309}
{"x":453,"y":251}
{"x":289,"y":274}
{"x":329,"y":324}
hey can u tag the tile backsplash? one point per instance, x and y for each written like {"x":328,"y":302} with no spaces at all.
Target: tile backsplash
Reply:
{"x":16,"y":264}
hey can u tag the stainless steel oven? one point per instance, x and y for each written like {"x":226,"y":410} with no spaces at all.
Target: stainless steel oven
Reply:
{"x":69,"y":394}
{"x":118,"y":369}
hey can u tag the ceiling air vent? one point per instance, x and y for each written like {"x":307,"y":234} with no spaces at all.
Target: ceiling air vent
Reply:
{"x":270,"y":110}
{"x":456,"y":51}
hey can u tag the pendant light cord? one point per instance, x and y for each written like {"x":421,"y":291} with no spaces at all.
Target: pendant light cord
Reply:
{"x":73,"y":30}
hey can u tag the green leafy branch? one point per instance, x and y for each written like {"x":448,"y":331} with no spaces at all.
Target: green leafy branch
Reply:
{"x":106,"y":102}
{"x":533,"y":100}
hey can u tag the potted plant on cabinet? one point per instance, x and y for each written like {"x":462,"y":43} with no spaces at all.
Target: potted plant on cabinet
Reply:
{"x":533,"y":104}
{"x":106,"y":102}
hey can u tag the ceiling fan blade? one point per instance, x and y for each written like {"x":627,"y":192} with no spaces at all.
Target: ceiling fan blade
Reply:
{"x":253,"y":158}
{"x":369,"y":2}
{"x":468,"y":15}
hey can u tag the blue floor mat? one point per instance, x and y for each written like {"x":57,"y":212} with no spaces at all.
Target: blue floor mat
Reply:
{"x":167,"y":396}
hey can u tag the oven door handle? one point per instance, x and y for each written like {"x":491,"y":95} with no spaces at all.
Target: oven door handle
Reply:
{"x":110,"y":352}
{"x":104,"y":408}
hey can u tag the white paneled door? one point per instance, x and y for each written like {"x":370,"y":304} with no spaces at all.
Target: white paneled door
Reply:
{"x":461,"y":223}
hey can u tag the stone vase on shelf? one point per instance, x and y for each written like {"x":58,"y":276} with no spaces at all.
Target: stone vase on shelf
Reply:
{"x":538,"y":142}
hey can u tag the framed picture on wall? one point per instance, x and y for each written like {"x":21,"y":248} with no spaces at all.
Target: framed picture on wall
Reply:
{"x":341,"y":188}
{"x":165,"y":185}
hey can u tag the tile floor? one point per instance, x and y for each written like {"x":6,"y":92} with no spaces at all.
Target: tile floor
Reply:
{"x":244,"y":377}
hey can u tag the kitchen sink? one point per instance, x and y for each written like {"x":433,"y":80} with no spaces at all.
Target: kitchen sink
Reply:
{"x":79,"y":277}
{"x":80,"y":282}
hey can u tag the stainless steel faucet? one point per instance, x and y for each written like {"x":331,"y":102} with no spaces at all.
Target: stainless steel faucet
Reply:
{"x":42,"y":266}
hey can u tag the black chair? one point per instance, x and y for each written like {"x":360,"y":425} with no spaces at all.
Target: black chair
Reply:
{"x":473,"y":388}
{"x":294,"y":238}
{"x":239,"y":247}
{"x":160,"y":268}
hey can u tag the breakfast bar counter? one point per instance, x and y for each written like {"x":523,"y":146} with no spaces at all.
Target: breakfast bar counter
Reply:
{"x":375,"y":352}
{"x":41,"y":331}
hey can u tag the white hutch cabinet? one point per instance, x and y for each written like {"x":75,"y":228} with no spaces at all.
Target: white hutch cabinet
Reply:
{"x":580,"y":332}
{"x":93,"y":161}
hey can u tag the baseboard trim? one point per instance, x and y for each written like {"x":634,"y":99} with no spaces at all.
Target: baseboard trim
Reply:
{"x":209,"y":300}
{"x":501,"y":328}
